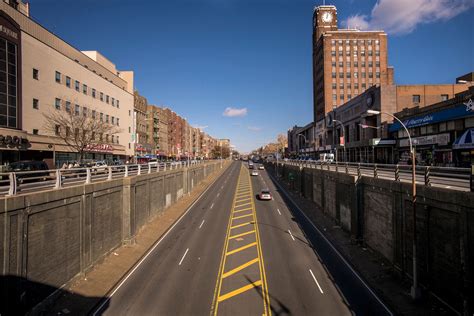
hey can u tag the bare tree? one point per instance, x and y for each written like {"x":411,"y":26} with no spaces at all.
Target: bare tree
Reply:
{"x":82,"y":131}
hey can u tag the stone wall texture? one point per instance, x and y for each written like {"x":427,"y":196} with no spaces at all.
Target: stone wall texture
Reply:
{"x":50,"y":237}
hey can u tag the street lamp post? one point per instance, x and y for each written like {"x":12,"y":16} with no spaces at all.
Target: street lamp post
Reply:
{"x":415,"y":290}
{"x":343,"y":138}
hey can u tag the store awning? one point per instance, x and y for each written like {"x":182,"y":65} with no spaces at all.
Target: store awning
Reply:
{"x":466,"y":141}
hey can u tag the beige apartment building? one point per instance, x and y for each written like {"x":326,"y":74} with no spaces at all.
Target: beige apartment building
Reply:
{"x":346,"y":62}
{"x":42,"y":73}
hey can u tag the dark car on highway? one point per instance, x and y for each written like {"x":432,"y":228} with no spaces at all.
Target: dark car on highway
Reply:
{"x":40,"y":167}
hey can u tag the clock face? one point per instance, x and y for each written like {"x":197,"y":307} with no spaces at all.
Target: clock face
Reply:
{"x":327,"y":17}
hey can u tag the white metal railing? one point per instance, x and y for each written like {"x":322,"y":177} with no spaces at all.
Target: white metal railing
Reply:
{"x":447,"y":177}
{"x":13,"y":183}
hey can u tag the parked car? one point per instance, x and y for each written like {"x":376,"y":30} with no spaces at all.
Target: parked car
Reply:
{"x":99,"y":166}
{"x":261,"y":167}
{"x":254,"y":173}
{"x":265,"y":195}
{"x":30,"y":165}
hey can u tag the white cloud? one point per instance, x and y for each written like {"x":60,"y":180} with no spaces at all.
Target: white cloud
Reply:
{"x":201,"y":126}
{"x":254,"y":128}
{"x":233,"y":112}
{"x":403,"y":16}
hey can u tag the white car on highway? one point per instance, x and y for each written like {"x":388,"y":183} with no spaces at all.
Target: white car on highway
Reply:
{"x":254,"y":173}
{"x":261,"y":167}
{"x":265,"y":195}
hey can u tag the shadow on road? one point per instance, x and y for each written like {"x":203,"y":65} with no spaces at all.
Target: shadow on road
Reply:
{"x":279,"y":309}
{"x":19,"y":296}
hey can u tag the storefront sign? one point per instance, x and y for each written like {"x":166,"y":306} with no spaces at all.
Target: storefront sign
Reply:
{"x":8,"y":32}
{"x":438,"y":139}
{"x":462,"y":110}
{"x":101,"y":148}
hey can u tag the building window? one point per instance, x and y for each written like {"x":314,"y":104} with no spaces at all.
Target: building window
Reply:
{"x":93,"y":93}
{"x":349,"y":97}
{"x":35,"y":131}
{"x":334,"y":97}
{"x":348,"y":74}
{"x":334,"y":75}
{"x":112,"y":120}
{"x":84,"y":111}
{"x":444,"y":97}
{"x":364,"y":86}
{"x":68,"y":106}
{"x":35,"y":74}
{"x":117,"y":139}
{"x":341,"y":75}
{"x":118,"y":104}
{"x":101,"y":117}
{"x":107,"y":99}
{"x":102,"y":96}
{"x":76,"y":109}
{"x":113,"y":139}
{"x":341,"y":97}
{"x":118,"y":123}
{"x":129,"y":129}
{"x":84,"y":88}
{"x":93,"y":114}
{"x":334,"y":86}
{"x":442,"y":127}
{"x":377,"y":75}
{"x":129,"y":113}
{"x":68,"y":82}
{"x":113,"y":102}
{"x":58,"y":77}
{"x":333,"y":53}
{"x":106,"y":118}
{"x":57,"y":130}
{"x":57,"y":104}
{"x":416,"y":98}
{"x":77,"y":83}
{"x":371,"y":75}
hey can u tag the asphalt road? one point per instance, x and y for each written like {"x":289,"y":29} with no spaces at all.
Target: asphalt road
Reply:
{"x":232,"y":254}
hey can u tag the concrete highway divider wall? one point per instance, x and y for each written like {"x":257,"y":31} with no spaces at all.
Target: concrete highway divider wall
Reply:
{"x":379,"y":214}
{"x":52,"y":236}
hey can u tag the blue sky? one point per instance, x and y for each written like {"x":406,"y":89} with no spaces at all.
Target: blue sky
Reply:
{"x":200,"y":57}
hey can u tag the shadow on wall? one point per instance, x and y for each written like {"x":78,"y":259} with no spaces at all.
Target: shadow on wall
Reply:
{"x":19,"y":295}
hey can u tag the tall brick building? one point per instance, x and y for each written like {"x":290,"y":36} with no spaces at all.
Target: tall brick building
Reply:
{"x":346,"y":62}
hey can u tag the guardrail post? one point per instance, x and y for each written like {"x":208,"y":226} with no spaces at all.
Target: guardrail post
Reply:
{"x":149,"y":168}
{"x":59,"y":179}
{"x":427,"y":176}
{"x":359,"y":173}
{"x":397,"y":173}
{"x":88,"y":175}
{"x":337,"y":167}
{"x":328,"y":167}
{"x":376,"y":175}
{"x":347,"y":168}
{"x":109,"y":177}
{"x":13,"y":184}
{"x":126,"y":171}
{"x":139,"y":172}
{"x":164,"y":167}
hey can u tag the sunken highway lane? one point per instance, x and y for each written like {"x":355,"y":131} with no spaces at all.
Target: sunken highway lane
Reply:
{"x":232,"y":254}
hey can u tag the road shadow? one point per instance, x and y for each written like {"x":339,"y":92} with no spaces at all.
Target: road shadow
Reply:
{"x":20,"y":296}
{"x":277,"y":307}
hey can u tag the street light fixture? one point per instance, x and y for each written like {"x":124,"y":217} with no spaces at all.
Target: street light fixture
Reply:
{"x":415,"y":290}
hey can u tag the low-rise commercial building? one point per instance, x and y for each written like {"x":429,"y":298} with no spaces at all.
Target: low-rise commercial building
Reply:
{"x":441,"y":133}
{"x":40,"y":73}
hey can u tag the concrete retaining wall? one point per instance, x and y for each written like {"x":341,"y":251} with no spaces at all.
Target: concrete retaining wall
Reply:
{"x":379,"y":214}
{"x":50,"y":237}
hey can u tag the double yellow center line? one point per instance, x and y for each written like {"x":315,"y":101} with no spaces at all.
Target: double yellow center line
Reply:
{"x":242,"y":226}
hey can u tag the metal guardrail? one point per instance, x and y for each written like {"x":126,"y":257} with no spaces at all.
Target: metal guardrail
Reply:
{"x":445,"y":177}
{"x":13,"y":183}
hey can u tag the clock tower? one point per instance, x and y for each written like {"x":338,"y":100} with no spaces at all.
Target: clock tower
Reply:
{"x":324,"y":19}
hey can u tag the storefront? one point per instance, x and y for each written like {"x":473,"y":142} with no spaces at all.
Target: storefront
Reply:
{"x":440,"y":133}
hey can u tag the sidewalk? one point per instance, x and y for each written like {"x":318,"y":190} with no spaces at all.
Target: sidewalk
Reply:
{"x":86,"y":292}
{"x":374,"y":269}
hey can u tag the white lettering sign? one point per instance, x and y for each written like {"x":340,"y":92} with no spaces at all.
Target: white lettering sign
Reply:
{"x":8,"y":32}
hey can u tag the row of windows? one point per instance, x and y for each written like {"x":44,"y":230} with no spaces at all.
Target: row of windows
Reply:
{"x":85,"y":111}
{"x":416,"y":98}
{"x":348,"y":86}
{"x":355,"y":64}
{"x":356,"y":75}
{"x":85,"y":89}
{"x":355,"y":48}
{"x":101,"y":137}
{"x":459,"y":125}
{"x":362,"y":53}
{"x":355,"y":42}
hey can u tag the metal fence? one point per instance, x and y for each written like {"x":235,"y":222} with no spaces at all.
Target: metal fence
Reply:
{"x":444,"y":177}
{"x":13,"y":183}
